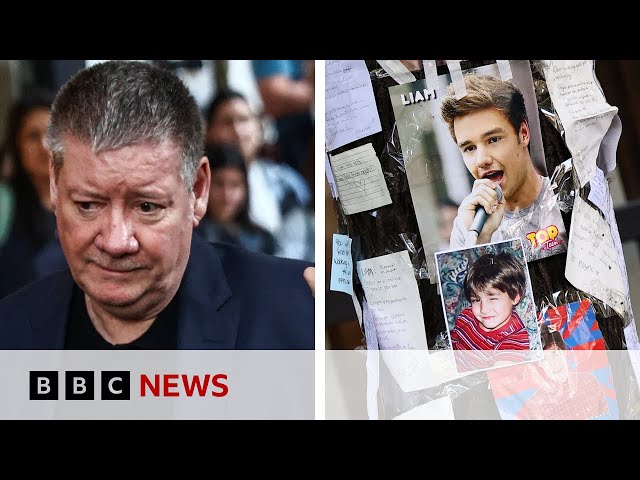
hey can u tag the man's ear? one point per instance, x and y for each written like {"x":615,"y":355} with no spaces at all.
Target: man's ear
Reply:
{"x":201,"y":190}
{"x":524,"y":133}
{"x":53,"y":183}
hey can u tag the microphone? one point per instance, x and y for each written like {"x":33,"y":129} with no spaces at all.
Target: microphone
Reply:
{"x":478,"y":221}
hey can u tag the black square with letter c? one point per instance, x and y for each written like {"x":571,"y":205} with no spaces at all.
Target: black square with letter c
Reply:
{"x":115,"y":385}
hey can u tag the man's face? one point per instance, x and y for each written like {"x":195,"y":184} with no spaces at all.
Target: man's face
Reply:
{"x":491,"y":148}
{"x":492,"y":308}
{"x":125,"y":221}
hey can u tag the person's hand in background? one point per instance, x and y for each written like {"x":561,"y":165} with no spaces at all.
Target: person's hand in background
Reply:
{"x":310,"y":277}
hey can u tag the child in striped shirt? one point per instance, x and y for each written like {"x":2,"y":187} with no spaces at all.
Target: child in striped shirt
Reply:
{"x":494,"y":285}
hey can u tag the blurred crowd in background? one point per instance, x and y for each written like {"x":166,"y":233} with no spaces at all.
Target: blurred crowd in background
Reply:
{"x":259,"y":128}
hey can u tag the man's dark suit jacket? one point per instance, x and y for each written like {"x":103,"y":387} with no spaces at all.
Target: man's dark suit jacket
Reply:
{"x":230,"y":298}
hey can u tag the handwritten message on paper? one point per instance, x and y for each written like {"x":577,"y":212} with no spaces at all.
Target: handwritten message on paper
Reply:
{"x":583,"y":110}
{"x":600,"y":195}
{"x":592,"y":259}
{"x":350,"y":107}
{"x":341,"y":265}
{"x":630,"y":334}
{"x":370,"y":335}
{"x":393,"y":299}
{"x":359,"y":179}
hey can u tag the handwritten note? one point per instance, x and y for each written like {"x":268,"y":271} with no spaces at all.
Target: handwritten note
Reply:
{"x":359,"y":179}
{"x":350,"y":107}
{"x":592,"y":260}
{"x":341,"y":265}
{"x":370,"y":335}
{"x":583,"y":110}
{"x":610,"y":217}
{"x":599,"y":192}
{"x":394,"y":301}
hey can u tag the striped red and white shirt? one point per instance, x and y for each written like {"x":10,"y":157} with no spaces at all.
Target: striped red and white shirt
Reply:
{"x":468,"y":335}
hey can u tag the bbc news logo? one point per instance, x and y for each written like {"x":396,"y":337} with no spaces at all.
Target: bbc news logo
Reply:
{"x":116,"y":385}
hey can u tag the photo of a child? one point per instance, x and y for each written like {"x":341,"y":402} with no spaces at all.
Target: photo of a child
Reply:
{"x":488,"y":304}
{"x":494,"y":285}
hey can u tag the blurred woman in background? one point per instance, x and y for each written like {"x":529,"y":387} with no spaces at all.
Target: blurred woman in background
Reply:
{"x":227,"y":218}
{"x":27,"y":222}
{"x":280,"y":199}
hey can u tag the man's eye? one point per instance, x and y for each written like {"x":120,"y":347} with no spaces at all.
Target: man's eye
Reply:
{"x":494,"y":139}
{"x":86,"y":206}
{"x":469,"y":148}
{"x":149,"y":208}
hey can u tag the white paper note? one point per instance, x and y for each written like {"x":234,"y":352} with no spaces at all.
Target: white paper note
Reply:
{"x":592,"y":260}
{"x":438,"y":409}
{"x":610,"y":217}
{"x":350,"y":107}
{"x":359,"y":179}
{"x":373,"y":383}
{"x":373,"y":363}
{"x":607,"y":154}
{"x":394,"y":301}
{"x":599,"y":193}
{"x":371,"y":337}
{"x":583,"y":110}
{"x":330,"y":180}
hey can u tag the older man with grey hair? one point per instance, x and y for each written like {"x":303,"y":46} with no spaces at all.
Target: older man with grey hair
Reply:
{"x":129,"y":183}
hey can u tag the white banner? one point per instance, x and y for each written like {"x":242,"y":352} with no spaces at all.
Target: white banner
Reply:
{"x":180,"y":384}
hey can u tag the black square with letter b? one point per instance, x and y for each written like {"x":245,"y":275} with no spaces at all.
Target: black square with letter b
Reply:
{"x":43,"y":385}
{"x":78,"y":385}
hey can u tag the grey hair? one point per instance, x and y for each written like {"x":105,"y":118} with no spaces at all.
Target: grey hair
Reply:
{"x":122,"y":103}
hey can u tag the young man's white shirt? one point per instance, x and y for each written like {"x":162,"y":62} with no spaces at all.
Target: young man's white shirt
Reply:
{"x":526,"y":223}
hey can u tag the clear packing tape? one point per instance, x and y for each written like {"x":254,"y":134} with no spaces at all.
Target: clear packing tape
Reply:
{"x":423,"y":184}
